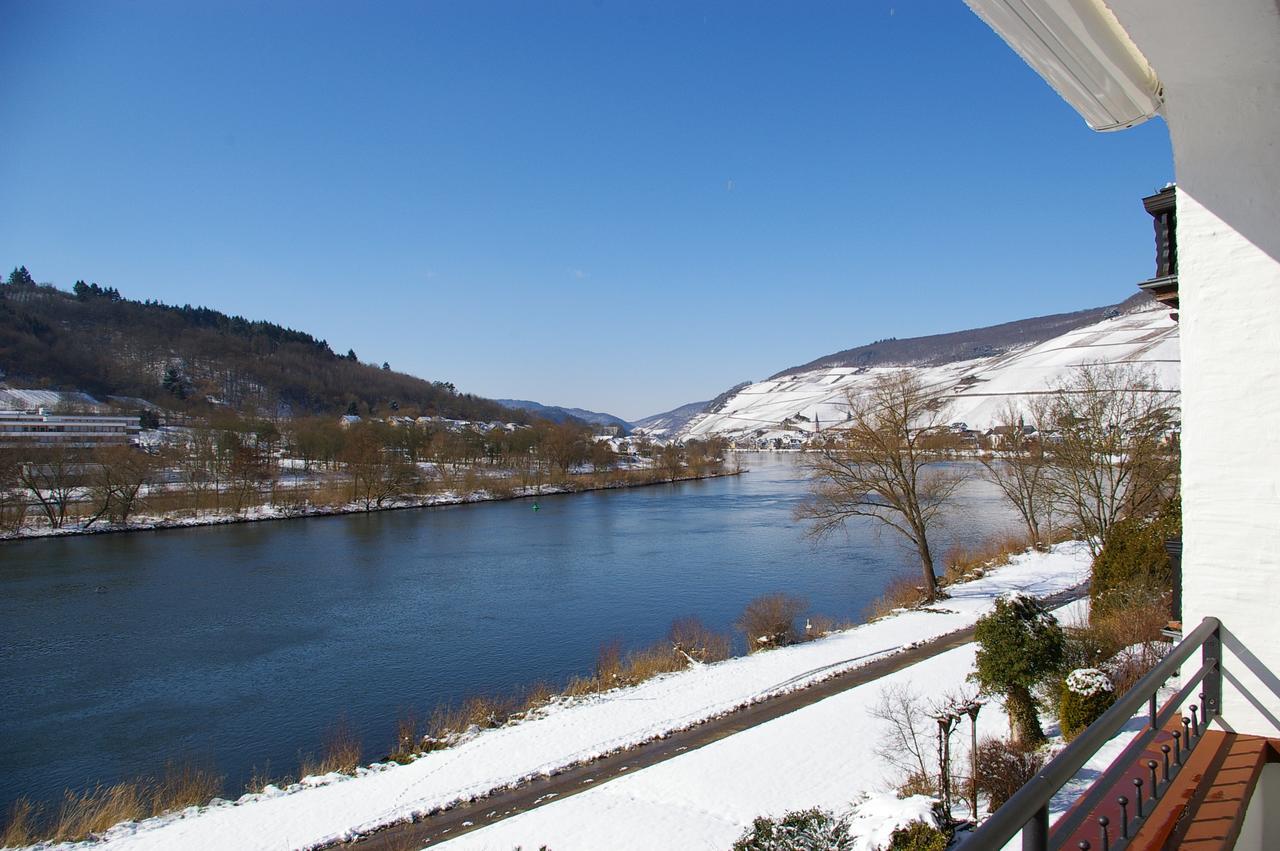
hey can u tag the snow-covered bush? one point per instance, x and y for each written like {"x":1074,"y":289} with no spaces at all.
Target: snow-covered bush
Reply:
{"x":1086,"y":694}
{"x":1088,"y":682}
{"x":803,"y":830}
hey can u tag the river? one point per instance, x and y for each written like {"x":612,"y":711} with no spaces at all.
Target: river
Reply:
{"x":237,"y":646}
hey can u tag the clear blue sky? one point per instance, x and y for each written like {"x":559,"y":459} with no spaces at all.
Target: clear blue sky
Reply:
{"x":618,"y":206}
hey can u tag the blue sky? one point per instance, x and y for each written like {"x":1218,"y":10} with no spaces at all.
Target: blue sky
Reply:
{"x":617,"y":206}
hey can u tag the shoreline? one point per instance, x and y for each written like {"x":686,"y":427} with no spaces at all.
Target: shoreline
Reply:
{"x":264,"y":513}
{"x":575,"y":732}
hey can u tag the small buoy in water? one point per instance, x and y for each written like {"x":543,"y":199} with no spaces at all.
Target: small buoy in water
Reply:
{"x":101,"y":589}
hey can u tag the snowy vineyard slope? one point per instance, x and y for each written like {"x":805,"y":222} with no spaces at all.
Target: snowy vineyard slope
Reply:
{"x":798,"y":405}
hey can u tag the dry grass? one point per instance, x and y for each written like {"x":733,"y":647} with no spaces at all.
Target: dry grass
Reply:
{"x":92,"y":811}
{"x":691,"y":637}
{"x":535,"y":696}
{"x":650,"y":662}
{"x":820,"y":625}
{"x":970,"y":562}
{"x":449,"y":722}
{"x":581,"y":686}
{"x":487,"y":712}
{"x":183,"y":785}
{"x":408,"y":740}
{"x":261,"y":778}
{"x":22,"y":825}
{"x":770,"y":621}
{"x":901,"y":592}
{"x":342,"y":752}
{"x":1131,"y":636}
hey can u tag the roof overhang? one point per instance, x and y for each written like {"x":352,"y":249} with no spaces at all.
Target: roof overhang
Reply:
{"x":1081,"y":50}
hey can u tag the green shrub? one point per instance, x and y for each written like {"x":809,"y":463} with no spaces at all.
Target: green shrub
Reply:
{"x":1133,"y":559}
{"x":803,"y":830}
{"x":1086,"y":694}
{"x":1019,"y":646}
{"x":918,"y":836}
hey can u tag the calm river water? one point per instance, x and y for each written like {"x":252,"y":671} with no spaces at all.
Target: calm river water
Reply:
{"x":237,"y":646}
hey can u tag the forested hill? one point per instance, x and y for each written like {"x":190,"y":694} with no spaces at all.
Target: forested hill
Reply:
{"x":194,"y":358}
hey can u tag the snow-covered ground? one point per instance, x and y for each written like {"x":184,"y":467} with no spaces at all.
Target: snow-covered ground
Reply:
{"x":978,"y":390}
{"x":822,"y":755}
{"x":322,"y":810}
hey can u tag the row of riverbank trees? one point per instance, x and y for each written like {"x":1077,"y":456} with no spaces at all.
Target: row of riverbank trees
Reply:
{"x":231,"y":464}
{"x":1101,"y":453}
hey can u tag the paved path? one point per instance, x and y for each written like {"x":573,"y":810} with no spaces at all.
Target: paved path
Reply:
{"x":464,"y":818}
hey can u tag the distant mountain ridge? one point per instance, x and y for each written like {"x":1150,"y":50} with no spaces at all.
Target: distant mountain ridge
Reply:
{"x":793,"y":407}
{"x":939,"y":349}
{"x":670,"y":422}
{"x":558,"y":414}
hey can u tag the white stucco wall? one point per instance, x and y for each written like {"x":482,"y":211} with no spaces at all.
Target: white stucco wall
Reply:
{"x":1220,"y":65}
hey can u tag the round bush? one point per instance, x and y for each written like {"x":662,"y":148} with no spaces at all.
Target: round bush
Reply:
{"x":918,"y":836}
{"x":1086,"y":694}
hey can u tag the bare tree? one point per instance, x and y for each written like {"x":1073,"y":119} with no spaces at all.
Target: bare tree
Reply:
{"x":196,"y":460}
{"x":13,"y":502}
{"x":53,"y":475}
{"x":1019,"y":467}
{"x":671,"y":461}
{"x":120,"y":473}
{"x":602,"y":456}
{"x":377,"y":472}
{"x":905,"y":743}
{"x":248,"y":472}
{"x":881,"y":464}
{"x":1110,"y":457}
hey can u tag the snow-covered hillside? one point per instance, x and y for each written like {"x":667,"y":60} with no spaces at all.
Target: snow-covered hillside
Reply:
{"x":794,"y":407}
{"x":669,"y":422}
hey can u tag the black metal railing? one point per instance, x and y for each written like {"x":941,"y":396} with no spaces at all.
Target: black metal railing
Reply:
{"x":1028,"y":809}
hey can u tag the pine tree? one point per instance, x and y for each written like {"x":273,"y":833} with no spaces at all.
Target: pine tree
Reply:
{"x":20,"y":277}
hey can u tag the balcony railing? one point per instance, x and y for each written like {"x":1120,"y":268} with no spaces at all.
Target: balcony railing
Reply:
{"x":1028,"y":809}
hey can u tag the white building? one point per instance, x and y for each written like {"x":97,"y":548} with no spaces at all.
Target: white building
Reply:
{"x":28,"y":428}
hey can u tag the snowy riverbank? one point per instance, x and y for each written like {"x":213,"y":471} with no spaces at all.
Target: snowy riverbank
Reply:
{"x":150,"y":523}
{"x":824,"y":755}
{"x":325,"y":809}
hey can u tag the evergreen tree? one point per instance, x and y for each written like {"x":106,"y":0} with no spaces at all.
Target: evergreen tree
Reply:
{"x":20,"y":277}
{"x":174,"y":383}
{"x":1019,"y":645}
